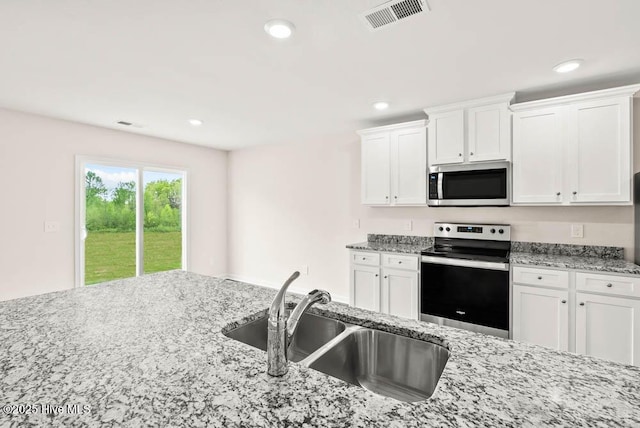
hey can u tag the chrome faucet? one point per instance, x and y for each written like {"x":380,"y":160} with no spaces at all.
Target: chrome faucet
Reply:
{"x":280,"y":331}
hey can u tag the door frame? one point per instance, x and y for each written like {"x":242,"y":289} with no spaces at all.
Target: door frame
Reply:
{"x":80,"y":208}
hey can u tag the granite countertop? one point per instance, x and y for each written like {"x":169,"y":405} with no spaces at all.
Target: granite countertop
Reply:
{"x":564,"y":256}
{"x":387,"y":247}
{"x":576,"y":262}
{"x":149,"y":351}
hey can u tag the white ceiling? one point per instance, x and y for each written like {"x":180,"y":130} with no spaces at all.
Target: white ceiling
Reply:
{"x":161,"y":62}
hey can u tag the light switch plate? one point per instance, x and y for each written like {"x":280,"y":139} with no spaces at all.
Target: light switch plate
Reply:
{"x":51,"y":226}
{"x":408,"y":225}
{"x":577,"y":231}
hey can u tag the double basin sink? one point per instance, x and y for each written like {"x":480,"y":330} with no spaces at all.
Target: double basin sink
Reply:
{"x":384,"y":363}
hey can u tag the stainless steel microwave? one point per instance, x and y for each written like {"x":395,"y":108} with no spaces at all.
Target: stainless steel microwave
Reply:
{"x":475,"y":185}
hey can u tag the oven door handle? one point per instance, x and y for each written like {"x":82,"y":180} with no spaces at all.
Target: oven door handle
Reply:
{"x":465,"y":263}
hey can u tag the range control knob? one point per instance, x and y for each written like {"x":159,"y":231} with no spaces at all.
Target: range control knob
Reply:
{"x":441,"y":228}
{"x":448,"y":229}
{"x":500,"y":231}
{"x":493,"y":231}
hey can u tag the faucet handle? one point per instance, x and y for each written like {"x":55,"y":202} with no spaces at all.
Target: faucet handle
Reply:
{"x":322,"y":296}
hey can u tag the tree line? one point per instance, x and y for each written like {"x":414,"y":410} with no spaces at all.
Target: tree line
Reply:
{"x":115,"y":210}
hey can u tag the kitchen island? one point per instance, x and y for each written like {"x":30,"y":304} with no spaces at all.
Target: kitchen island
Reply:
{"x":150,"y":351}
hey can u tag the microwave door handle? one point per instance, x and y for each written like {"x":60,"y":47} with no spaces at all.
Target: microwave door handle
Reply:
{"x":465,"y":263}
{"x":440,"y":185}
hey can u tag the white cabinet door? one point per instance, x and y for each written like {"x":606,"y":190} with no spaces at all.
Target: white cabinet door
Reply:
{"x":365,"y":287}
{"x":541,"y":316}
{"x":446,"y":137}
{"x":608,"y":327}
{"x":409,"y":167}
{"x":375,"y":169}
{"x":400,"y":293}
{"x":599,"y":157}
{"x":489,"y":133}
{"x":538,"y":142}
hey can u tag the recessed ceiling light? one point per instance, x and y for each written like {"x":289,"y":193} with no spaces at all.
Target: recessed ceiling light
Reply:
{"x":381,"y":105}
{"x":195,"y":122}
{"x":279,"y":28}
{"x":567,"y":66}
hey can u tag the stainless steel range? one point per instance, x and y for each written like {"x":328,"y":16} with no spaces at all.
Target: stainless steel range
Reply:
{"x":465,"y":278}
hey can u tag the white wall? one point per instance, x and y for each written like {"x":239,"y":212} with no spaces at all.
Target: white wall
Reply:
{"x":37,"y":171}
{"x":294,"y":205}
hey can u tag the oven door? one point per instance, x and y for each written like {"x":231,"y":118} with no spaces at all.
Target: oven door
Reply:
{"x":466,"y":290}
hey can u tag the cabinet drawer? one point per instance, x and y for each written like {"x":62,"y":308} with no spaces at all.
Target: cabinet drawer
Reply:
{"x":609,"y":284}
{"x":544,"y":277}
{"x":365,"y":258}
{"x":400,"y":261}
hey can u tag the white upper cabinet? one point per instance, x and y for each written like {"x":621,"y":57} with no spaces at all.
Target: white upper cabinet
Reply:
{"x":539,"y":134}
{"x":574,"y":150}
{"x":471,"y":131}
{"x":446,"y":137}
{"x":599,"y":138}
{"x":394,"y":164}
{"x":376,"y":179}
{"x":489,"y":132}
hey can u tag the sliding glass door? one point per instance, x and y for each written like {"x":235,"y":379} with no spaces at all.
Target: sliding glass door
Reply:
{"x":130,"y":220}
{"x":162,"y":221}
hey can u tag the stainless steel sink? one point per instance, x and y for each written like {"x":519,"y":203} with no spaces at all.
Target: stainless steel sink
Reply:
{"x":385,"y":363}
{"x":313,"y":332}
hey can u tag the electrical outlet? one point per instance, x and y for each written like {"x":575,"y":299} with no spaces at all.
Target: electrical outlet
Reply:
{"x":408,"y":225}
{"x":356,"y":224}
{"x":52,"y":226}
{"x":577,"y":231}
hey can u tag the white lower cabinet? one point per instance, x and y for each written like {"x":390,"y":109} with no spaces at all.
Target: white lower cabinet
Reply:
{"x":587,"y":313}
{"x":390,"y":287}
{"x":608,"y":327}
{"x":365,"y":287}
{"x":529,"y":323}
{"x":400,"y":293}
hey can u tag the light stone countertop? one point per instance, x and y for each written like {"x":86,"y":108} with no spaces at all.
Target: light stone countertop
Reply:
{"x":149,"y":351}
{"x":578,"y":262}
{"x":387,"y":247}
{"x":587,"y":263}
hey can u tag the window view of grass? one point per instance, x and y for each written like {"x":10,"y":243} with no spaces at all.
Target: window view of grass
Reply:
{"x":110,"y":246}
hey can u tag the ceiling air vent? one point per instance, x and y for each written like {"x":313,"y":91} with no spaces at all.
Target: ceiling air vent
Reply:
{"x":125,"y":123}
{"x":392,"y":12}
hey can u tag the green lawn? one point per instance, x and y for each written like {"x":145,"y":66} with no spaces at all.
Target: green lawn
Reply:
{"x":113,"y":255}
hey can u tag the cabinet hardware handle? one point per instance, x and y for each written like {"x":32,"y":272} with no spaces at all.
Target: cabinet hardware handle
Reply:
{"x":557,"y":193}
{"x":609,"y":285}
{"x":471,"y":154}
{"x":399,"y":262}
{"x":376,"y":275}
{"x":395,"y":197}
{"x":459,"y":154}
{"x":386,"y":197}
{"x":575,"y":193}
{"x":564,"y":301}
{"x":385,"y":277}
{"x":581,"y":303}
{"x":539,"y":277}
{"x":364,"y":258}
